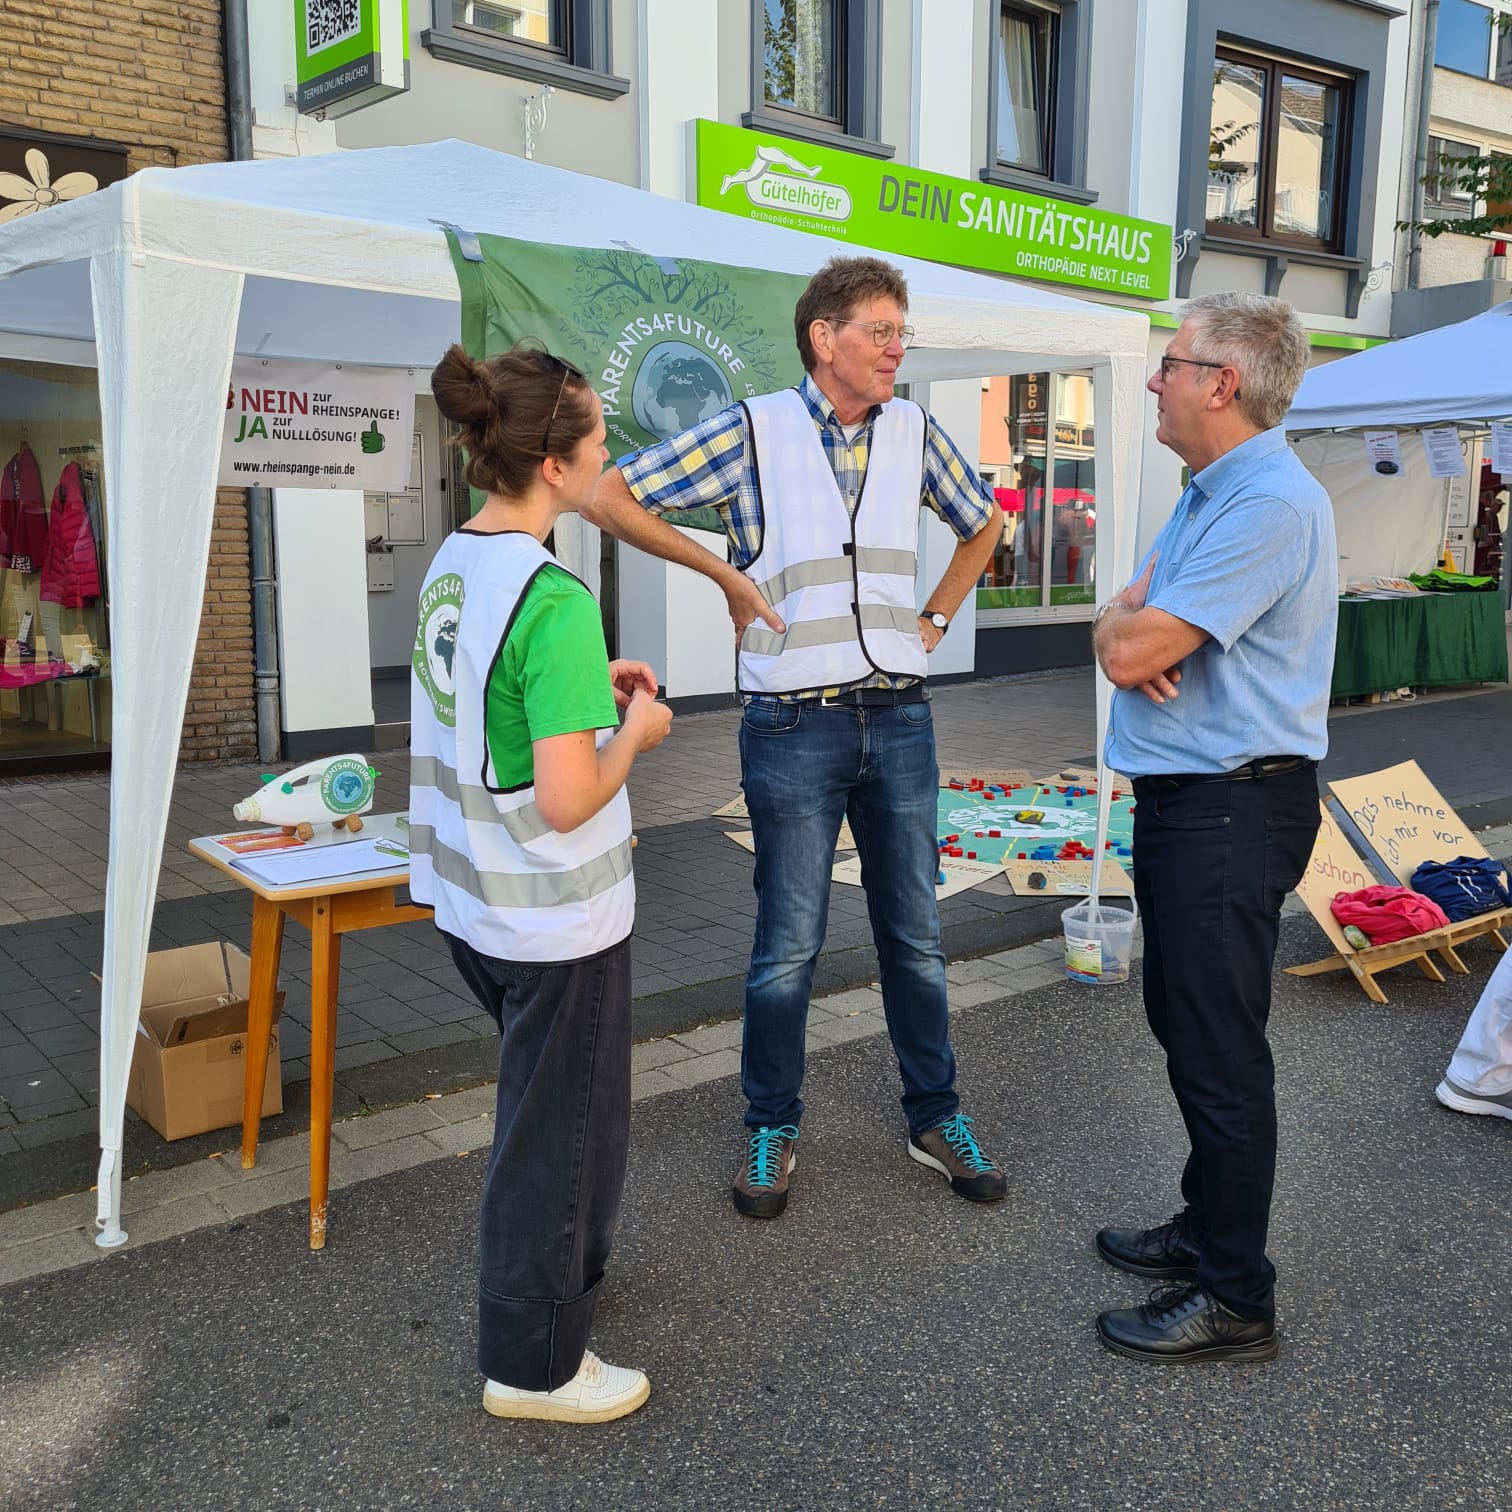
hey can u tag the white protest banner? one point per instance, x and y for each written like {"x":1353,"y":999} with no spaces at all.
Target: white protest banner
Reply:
{"x":1446,"y":459}
{"x":1501,"y":447}
{"x":1383,"y":449}
{"x":317,"y":425}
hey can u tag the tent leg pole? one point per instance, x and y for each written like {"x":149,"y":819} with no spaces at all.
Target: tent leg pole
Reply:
{"x":112,"y":1235}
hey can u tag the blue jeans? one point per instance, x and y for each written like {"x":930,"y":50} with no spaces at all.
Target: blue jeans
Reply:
{"x":804,"y":768}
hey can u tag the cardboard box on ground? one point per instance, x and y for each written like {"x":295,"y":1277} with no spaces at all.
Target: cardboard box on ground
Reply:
{"x":186,"y":1071}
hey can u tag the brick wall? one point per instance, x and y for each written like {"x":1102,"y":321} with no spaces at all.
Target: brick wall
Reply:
{"x":149,"y":75}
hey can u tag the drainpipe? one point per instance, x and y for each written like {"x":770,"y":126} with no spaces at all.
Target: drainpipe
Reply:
{"x":259,"y":500}
{"x":1420,"y":162}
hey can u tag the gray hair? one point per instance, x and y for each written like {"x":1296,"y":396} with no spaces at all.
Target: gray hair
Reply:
{"x":1262,"y":339}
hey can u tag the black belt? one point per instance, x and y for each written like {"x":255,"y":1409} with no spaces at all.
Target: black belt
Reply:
{"x":874,"y":698}
{"x":1261,"y":767}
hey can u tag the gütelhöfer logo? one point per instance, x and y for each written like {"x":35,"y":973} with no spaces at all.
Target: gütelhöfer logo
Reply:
{"x":772,"y":182}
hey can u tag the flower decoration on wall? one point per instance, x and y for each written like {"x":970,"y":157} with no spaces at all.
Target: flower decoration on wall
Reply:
{"x":38,"y":192}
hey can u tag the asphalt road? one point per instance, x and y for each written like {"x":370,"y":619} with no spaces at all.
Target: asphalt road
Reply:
{"x":885,"y":1345}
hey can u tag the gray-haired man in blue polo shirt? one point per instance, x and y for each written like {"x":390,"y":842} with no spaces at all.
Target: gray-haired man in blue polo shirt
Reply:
{"x":1222,"y":652}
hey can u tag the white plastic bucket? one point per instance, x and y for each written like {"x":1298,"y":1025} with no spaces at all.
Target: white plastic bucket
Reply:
{"x":1099,"y":940}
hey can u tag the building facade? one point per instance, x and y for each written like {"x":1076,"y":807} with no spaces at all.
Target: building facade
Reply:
{"x":85,"y":100}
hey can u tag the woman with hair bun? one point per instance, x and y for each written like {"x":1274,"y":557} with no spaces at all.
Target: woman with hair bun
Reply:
{"x":520,"y":840}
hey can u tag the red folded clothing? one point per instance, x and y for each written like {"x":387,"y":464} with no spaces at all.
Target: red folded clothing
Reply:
{"x":1388,"y":913}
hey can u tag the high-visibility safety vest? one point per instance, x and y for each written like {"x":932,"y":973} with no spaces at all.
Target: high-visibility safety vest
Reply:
{"x":481,"y":855}
{"x":843,"y":583}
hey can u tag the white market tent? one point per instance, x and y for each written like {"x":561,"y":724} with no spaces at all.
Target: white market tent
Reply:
{"x":159,"y":279}
{"x":1456,"y":375}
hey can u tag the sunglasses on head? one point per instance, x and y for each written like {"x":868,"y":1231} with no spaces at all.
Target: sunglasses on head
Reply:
{"x":568,"y":371}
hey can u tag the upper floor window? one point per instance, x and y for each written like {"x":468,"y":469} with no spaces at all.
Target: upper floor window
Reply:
{"x":1475,"y":38}
{"x":1028,"y":42}
{"x":803,"y":57}
{"x":564,"y":43}
{"x":816,"y":71}
{"x":538,"y":21}
{"x":1276,"y":145}
{"x":1443,"y":197}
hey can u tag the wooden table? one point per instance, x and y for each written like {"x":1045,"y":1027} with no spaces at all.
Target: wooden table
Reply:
{"x":328,"y":908}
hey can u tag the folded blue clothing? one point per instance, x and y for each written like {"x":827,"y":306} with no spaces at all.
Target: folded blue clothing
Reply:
{"x":1464,"y":887}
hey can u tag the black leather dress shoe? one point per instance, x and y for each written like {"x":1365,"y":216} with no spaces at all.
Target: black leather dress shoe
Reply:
{"x":1166,"y":1253}
{"x":1182,"y":1324}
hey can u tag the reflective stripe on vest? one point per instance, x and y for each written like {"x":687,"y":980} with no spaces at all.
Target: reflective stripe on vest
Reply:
{"x":842,"y":583}
{"x":495,"y":889}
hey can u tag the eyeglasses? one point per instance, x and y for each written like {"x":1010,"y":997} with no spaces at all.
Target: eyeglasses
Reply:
{"x":1166,"y":362}
{"x":568,"y":371}
{"x":882,"y":331}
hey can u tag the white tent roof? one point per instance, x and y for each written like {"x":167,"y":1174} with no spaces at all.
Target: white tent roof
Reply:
{"x":1458,"y":373}
{"x":340,"y":257}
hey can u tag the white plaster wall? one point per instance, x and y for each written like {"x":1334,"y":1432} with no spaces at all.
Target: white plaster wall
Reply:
{"x":940,"y":136}
{"x":322,"y":608}
{"x":278,"y":130}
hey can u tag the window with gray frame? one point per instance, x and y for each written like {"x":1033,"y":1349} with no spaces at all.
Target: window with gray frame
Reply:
{"x":1276,"y":151}
{"x":815,"y":72}
{"x":1028,"y":37}
{"x":1443,"y":197}
{"x":1036,"y":100}
{"x":564,"y":43}
{"x":1475,"y":39}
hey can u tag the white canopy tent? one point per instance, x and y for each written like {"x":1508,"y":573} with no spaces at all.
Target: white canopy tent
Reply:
{"x":1457,"y":375}
{"x":159,"y":279}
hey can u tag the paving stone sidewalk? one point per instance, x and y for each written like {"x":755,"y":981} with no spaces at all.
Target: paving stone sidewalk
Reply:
{"x":406,"y":1029}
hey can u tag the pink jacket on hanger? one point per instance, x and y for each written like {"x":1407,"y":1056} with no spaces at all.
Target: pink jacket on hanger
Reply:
{"x":70,"y":565}
{"x":23,"y":516}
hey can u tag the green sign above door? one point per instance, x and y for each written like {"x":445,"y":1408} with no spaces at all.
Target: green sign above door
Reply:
{"x":894,"y":208}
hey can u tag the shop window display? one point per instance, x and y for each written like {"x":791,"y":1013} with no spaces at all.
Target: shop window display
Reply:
{"x":1037,"y":427}
{"x":54,"y":623}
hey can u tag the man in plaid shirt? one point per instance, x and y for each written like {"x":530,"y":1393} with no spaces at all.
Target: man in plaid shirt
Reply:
{"x":831,"y":668}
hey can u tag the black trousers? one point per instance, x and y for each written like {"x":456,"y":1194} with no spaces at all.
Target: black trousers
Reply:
{"x":1213,"y":863}
{"x":557,"y":1170}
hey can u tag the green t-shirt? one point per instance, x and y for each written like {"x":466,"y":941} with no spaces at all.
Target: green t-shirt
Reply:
{"x":551,"y":676}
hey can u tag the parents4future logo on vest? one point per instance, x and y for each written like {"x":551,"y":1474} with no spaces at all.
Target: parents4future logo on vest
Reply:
{"x":317,"y":425}
{"x":666,"y":341}
{"x":434,"y":656}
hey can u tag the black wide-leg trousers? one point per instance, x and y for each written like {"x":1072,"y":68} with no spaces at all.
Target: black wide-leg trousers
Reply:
{"x":557,"y":1170}
{"x":1213,"y":862}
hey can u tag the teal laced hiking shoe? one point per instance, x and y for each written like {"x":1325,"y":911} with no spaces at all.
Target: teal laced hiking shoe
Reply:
{"x":761,"y":1183}
{"x":951,"y":1149}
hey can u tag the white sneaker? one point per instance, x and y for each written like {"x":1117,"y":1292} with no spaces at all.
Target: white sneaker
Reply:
{"x":1452,"y":1095}
{"x":598,"y":1393}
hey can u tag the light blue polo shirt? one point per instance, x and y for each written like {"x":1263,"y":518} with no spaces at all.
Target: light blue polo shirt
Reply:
{"x":1249,"y":556}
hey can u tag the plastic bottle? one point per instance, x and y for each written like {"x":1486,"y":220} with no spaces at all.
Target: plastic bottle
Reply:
{"x":335,"y":787}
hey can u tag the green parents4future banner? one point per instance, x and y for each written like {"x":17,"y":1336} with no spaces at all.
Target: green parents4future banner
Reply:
{"x":665,"y":341}
{"x":895,"y":208}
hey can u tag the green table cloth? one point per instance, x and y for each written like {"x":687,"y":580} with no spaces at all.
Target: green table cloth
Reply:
{"x":1419,"y":642}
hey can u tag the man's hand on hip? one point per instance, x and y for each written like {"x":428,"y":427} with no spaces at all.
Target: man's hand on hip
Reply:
{"x":747,"y":605}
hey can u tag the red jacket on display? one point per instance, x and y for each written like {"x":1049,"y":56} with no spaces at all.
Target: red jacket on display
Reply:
{"x":70,"y":565}
{"x":23,"y":516}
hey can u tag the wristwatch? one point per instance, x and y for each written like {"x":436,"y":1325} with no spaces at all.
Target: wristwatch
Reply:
{"x":937,"y":620}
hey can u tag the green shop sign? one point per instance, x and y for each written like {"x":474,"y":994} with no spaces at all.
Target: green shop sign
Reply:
{"x":350,"y":53}
{"x":895,"y":208}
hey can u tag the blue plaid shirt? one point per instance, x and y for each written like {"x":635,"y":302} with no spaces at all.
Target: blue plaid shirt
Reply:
{"x":713,"y":466}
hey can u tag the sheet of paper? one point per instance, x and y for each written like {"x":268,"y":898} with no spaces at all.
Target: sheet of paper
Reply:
{"x":959,"y":875}
{"x":315,"y":863}
{"x":1446,"y":459}
{"x":1383,"y":452}
{"x":1501,"y":448}
{"x":1069,"y":879}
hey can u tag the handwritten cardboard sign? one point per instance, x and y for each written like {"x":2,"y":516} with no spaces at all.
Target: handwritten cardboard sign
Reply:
{"x":1333,"y":868}
{"x":1403,"y":821}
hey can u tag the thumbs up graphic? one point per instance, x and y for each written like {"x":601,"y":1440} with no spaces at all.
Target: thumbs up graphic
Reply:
{"x":372,"y":440}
